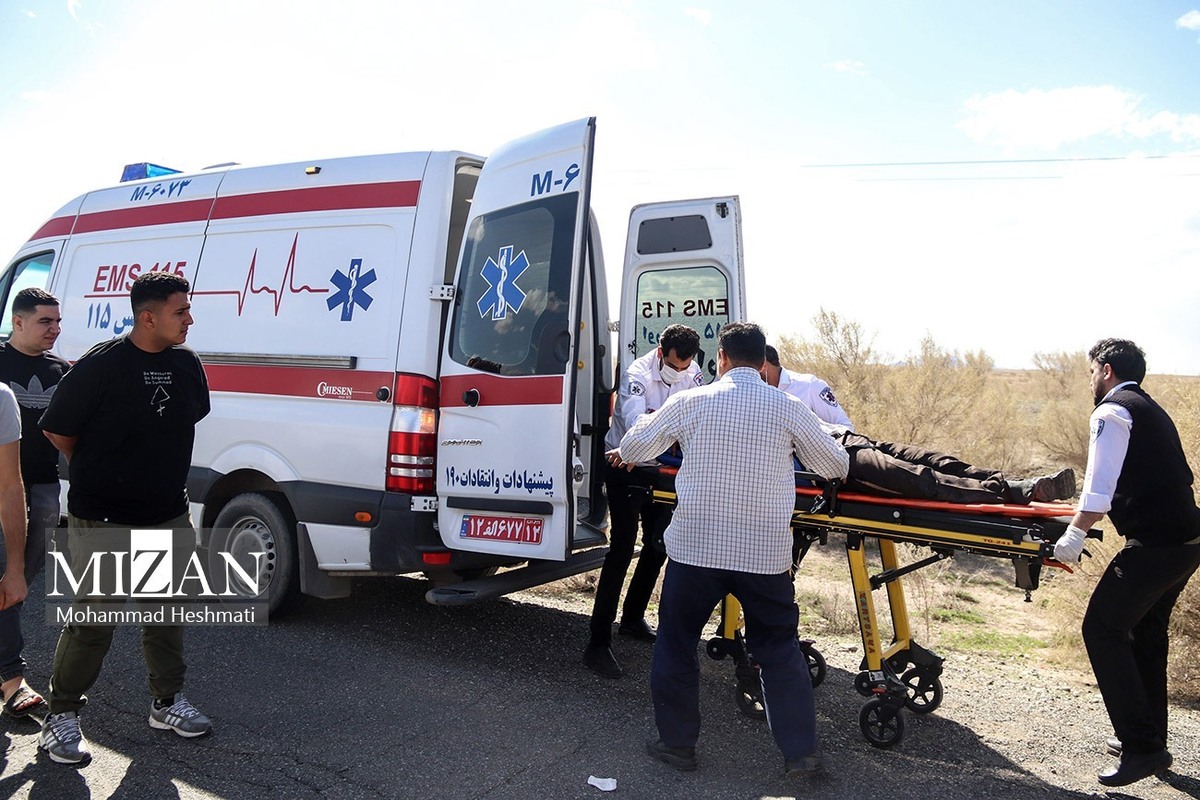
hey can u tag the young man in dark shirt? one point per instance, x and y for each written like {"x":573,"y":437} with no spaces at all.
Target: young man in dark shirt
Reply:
{"x":125,"y":417}
{"x":33,"y":373}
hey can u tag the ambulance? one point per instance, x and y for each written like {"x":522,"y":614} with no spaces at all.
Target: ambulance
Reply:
{"x":410,"y":355}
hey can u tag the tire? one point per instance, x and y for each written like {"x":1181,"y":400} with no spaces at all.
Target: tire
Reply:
{"x":257,"y":523}
{"x":924,"y":692}
{"x":882,"y":724}
{"x":816,"y":665}
{"x":749,"y":701}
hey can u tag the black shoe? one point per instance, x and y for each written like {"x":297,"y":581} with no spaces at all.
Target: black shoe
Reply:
{"x":1059,"y":486}
{"x":638,"y":630}
{"x":680,"y":758}
{"x":599,"y":659}
{"x":1135,"y":766}
{"x":1112,"y":746}
{"x":804,"y":765}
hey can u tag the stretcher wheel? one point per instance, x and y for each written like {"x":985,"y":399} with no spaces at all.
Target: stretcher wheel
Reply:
{"x":816,"y":664}
{"x":924,"y":692}
{"x":881,"y":723}
{"x":749,"y":701}
{"x":862,"y":684}
{"x":716,"y":648}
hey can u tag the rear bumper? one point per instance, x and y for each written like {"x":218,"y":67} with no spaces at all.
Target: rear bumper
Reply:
{"x":399,"y":538}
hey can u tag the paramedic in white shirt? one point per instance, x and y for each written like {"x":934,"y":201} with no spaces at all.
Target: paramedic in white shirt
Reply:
{"x":1139,"y":476}
{"x":646,"y":385}
{"x":808,"y":389}
{"x":731,"y":534}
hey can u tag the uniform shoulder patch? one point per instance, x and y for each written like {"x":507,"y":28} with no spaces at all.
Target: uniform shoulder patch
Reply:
{"x":827,"y":396}
{"x":636,"y":388}
{"x":1097,"y":429}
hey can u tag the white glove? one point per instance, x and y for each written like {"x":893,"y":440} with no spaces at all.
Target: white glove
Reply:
{"x":1069,"y":546}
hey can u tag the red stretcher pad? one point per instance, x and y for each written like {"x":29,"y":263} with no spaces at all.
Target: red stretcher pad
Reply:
{"x":1005,"y":509}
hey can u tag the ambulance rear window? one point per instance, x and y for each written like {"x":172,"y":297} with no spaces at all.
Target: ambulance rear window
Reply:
{"x":673,"y":235}
{"x":513,"y":297}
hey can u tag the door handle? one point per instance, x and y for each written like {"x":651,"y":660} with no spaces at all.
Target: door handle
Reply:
{"x":471,"y":397}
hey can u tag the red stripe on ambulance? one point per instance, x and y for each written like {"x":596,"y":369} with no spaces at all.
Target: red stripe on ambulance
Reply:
{"x":394,"y":194}
{"x":541,"y":390}
{"x":299,"y":381}
{"x":391,"y":194}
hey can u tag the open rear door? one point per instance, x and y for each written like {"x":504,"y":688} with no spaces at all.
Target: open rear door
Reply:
{"x":683,"y":264}
{"x":504,"y":453}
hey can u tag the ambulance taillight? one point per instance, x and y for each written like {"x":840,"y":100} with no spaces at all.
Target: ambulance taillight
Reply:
{"x":412,"y":442}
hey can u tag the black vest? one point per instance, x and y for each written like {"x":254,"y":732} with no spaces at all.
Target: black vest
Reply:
{"x":1153,"y":501}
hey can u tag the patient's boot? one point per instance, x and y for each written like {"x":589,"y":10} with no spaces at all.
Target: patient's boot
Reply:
{"x":1021,"y":492}
{"x":1059,"y":486}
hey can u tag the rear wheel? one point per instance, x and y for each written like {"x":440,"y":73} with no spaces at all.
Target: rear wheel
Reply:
{"x":251,"y":524}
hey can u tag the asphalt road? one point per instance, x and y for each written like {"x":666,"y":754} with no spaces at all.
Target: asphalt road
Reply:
{"x":383,"y":696}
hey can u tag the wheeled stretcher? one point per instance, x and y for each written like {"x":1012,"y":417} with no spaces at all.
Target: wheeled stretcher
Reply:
{"x":900,"y":674}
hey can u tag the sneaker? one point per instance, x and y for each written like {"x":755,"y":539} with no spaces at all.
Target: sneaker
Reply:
{"x":804,"y":766}
{"x":1059,"y":486}
{"x":181,"y":717}
{"x":62,"y":739}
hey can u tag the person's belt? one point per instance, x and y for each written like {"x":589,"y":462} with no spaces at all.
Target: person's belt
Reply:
{"x":1136,"y":543}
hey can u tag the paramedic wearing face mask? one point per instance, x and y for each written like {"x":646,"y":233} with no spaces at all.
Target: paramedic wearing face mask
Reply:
{"x":808,"y":389}
{"x":1138,"y":474}
{"x":646,"y":385}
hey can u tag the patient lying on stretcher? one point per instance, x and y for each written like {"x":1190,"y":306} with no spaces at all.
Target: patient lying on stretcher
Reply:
{"x":902,"y":470}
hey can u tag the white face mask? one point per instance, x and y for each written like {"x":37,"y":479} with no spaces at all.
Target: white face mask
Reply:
{"x":669,"y":374}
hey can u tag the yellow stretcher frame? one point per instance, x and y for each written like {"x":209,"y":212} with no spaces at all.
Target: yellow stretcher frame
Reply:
{"x":901,"y":674}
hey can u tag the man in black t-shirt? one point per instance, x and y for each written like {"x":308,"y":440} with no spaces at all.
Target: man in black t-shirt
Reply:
{"x":33,"y":373}
{"x":125,"y":417}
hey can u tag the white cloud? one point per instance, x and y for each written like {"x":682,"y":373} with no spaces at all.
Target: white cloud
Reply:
{"x":73,"y":7}
{"x":1048,"y":119}
{"x":701,"y":15}
{"x":1190,"y":20}
{"x":29,"y":12}
{"x":848,"y":66}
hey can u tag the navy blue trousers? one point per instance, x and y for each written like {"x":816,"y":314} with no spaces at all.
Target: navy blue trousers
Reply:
{"x":688,"y":596}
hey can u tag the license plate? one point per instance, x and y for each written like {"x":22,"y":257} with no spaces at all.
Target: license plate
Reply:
{"x":522,"y":530}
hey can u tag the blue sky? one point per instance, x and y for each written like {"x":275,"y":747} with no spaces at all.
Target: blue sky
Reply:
{"x":1070,"y":209}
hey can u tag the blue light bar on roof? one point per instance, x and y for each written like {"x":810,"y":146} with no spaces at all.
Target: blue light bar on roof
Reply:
{"x":136,"y":172}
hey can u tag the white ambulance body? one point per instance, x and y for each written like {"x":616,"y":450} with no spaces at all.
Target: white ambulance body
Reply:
{"x":409,"y":355}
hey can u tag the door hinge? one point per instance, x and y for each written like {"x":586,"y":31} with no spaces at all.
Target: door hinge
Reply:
{"x":441,"y":293}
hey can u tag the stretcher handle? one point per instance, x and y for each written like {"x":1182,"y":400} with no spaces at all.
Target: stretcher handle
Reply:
{"x":1048,"y":551}
{"x":827,"y":502}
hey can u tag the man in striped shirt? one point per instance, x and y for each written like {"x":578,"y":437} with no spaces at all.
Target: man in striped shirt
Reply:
{"x":731,"y":533}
